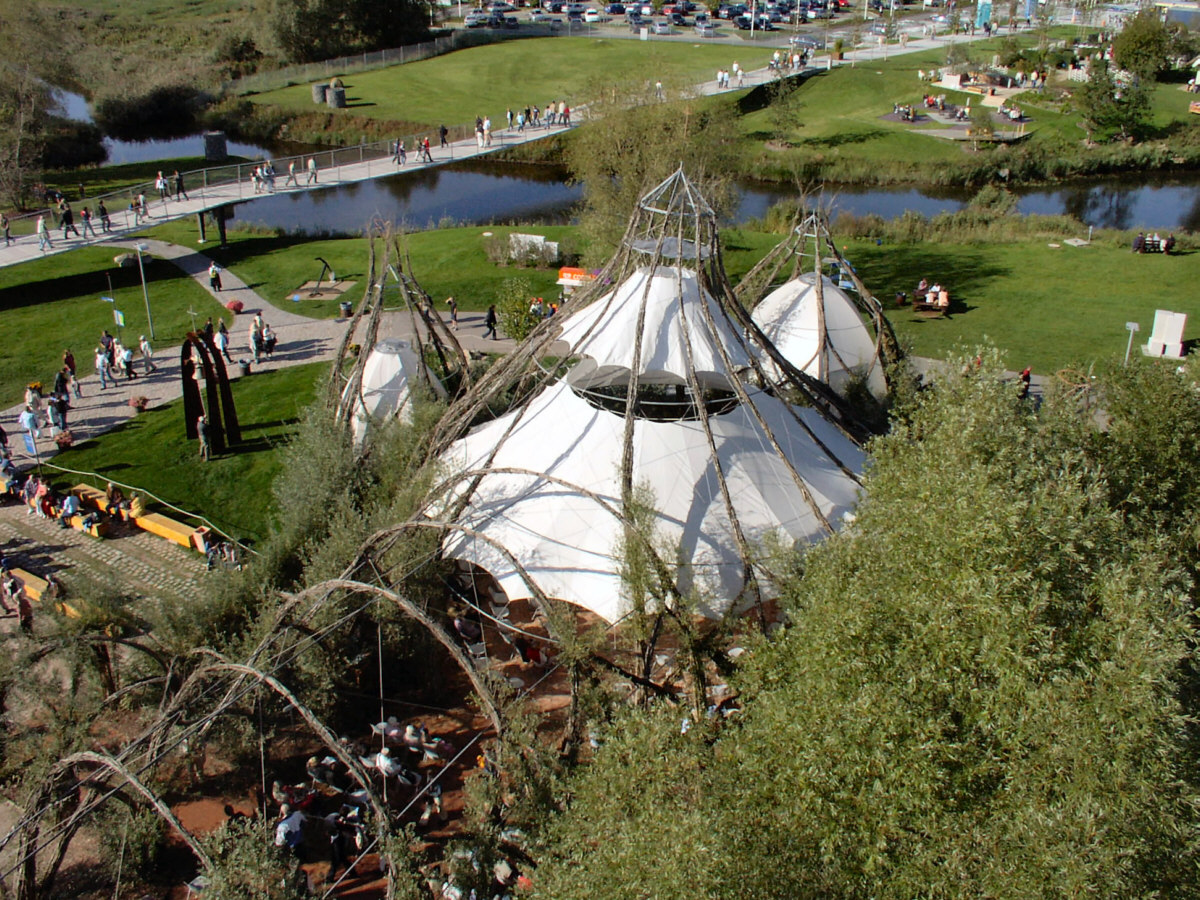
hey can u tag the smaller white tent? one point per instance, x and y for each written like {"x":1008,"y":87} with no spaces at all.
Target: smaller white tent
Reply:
{"x":830,"y":342}
{"x":386,"y":389}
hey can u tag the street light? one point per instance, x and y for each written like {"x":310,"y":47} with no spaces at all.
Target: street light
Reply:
{"x":141,"y":248}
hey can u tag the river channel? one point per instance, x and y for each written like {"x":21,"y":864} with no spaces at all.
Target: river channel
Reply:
{"x":484,"y":192}
{"x":495,"y":193}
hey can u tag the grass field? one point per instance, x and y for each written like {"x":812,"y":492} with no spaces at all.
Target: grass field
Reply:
{"x":447,"y":262}
{"x":54,"y":303}
{"x":455,"y":88}
{"x":1046,"y":307}
{"x":839,"y":117}
{"x":233,"y":490}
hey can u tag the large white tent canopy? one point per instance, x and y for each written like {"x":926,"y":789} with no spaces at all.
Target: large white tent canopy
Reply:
{"x":828,"y":341}
{"x":606,"y":331}
{"x":568,"y":542}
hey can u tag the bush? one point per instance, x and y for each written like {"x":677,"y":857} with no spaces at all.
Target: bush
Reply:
{"x":165,"y":111}
{"x":512,"y":308}
{"x":131,"y":841}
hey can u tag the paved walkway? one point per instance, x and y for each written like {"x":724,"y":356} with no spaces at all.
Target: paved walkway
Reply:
{"x":301,"y":340}
{"x":132,"y":559}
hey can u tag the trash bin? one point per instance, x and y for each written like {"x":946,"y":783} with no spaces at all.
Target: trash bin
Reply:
{"x":244,"y":367}
{"x":319,"y":92}
{"x":347,"y":309}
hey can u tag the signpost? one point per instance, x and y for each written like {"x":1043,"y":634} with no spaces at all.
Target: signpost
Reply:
{"x":1133,"y":329}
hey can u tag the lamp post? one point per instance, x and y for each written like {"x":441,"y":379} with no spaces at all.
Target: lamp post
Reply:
{"x":1133,"y":329}
{"x":145,"y":294}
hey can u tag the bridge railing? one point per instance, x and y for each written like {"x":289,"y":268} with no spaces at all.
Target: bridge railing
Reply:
{"x":232,"y":182}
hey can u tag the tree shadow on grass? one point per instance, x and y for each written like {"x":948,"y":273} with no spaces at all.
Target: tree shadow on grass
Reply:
{"x":900,"y":267}
{"x":844,"y":139}
{"x":278,"y":423}
{"x":82,"y":284}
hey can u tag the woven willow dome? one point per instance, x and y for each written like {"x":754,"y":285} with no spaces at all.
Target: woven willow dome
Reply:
{"x":666,"y":403}
{"x":814,"y":308}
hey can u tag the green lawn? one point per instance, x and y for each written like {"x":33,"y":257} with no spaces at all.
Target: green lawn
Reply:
{"x":447,"y":262}
{"x":455,"y":88}
{"x":54,"y":303}
{"x":232,"y":490}
{"x":1046,"y":307}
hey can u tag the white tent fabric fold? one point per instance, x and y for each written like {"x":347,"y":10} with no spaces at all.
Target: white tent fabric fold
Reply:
{"x":569,"y":543}
{"x":386,"y":389}
{"x":605,"y":333}
{"x":788,"y":316}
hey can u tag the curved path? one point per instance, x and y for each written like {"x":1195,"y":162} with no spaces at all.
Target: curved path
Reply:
{"x":301,"y":340}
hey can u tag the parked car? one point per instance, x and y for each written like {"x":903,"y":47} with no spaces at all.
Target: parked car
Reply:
{"x":807,"y":42}
{"x":705,"y":30}
{"x":594,"y":16}
{"x":678,"y":19}
{"x":554,"y":6}
{"x":476,"y":18}
{"x":637,"y":23}
{"x":541,"y":18}
{"x":661,"y":26}
{"x":615,"y":9}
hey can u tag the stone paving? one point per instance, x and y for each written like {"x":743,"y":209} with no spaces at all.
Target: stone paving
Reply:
{"x":142,"y":562}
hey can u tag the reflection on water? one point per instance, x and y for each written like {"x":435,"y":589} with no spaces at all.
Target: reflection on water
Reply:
{"x":75,"y":106}
{"x":483,"y":193}
{"x":467,"y":193}
{"x":1158,"y":204}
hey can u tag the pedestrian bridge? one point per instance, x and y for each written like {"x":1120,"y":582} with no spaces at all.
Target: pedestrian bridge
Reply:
{"x":210,"y":189}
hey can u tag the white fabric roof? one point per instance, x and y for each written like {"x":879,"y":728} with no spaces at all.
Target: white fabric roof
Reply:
{"x":568,"y":542}
{"x":385,"y":386}
{"x":605,"y":333}
{"x":788,"y":317}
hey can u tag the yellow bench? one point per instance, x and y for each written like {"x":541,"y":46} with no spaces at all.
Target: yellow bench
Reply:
{"x":99,"y":530}
{"x":39,"y":589}
{"x":90,"y":496}
{"x":166,"y":528}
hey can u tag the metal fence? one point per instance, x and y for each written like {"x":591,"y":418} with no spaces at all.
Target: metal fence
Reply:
{"x":380,"y":59}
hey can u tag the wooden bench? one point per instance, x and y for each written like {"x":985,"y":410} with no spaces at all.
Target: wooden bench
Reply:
{"x":40,"y":590}
{"x":1194,"y":107}
{"x":934,"y":310}
{"x":164,"y":527}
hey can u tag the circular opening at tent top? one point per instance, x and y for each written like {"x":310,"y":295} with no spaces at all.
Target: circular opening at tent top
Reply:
{"x":660,"y":402}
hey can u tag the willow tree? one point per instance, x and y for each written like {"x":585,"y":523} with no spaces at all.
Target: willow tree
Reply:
{"x":985,"y":688}
{"x":651,"y":123}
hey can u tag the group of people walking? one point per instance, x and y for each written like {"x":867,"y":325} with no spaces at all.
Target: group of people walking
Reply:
{"x":114,"y":359}
{"x":66,"y":219}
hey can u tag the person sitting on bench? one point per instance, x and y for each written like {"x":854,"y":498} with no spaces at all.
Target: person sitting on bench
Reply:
{"x":114,"y":499}
{"x":70,"y":507}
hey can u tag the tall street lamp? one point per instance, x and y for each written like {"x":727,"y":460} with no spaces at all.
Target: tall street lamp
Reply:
{"x":141,"y":248}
